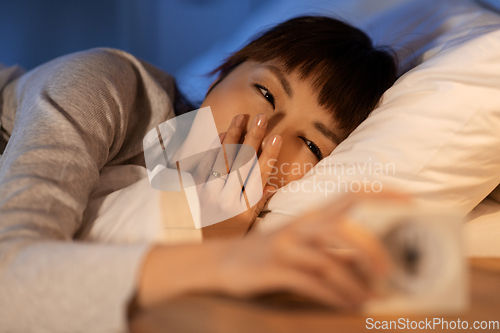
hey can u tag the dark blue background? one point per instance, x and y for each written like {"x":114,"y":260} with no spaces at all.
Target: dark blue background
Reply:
{"x":167,"y":33}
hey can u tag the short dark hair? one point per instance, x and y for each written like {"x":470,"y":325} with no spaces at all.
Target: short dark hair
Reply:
{"x":348,"y":72}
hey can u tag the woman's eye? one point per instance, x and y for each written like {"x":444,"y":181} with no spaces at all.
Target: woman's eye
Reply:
{"x":267,"y":95}
{"x":314,"y":148}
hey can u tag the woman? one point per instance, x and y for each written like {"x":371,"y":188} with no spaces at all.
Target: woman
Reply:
{"x":301,"y":88}
{"x":308,"y":82}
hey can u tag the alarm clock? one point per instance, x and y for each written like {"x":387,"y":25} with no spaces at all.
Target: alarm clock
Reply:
{"x":425,"y":244}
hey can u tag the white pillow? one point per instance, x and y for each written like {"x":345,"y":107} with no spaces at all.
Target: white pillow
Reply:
{"x":435,"y":135}
{"x":125,"y":209}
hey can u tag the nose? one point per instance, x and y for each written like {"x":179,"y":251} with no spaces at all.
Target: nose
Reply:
{"x":274,"y":120}
{"x":276,"y":124}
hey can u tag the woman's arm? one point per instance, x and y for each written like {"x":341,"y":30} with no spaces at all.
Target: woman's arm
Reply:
{"x":295,"y":258}
{"x":73,"y":115}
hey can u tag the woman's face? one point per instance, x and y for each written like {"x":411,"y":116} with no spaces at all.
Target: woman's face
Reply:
{"x":308,"y":131}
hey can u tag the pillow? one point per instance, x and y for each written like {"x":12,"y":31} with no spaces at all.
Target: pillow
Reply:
{"x":125,"y":209}
{"x":435,"y":134}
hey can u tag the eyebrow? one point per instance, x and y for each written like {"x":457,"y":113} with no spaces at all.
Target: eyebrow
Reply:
{"x":326,"y":132}
{"x":284,"y":82}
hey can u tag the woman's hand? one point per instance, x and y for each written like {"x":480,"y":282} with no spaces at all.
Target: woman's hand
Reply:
{"x":295,"y":258}
{"x":299,"y":258}
{"x":222,"y":196}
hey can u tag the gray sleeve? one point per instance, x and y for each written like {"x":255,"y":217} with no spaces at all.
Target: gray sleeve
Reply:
{"x":72,"y":116}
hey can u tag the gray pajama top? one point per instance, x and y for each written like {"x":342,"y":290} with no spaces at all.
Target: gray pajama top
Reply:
{"x":64,"y":121}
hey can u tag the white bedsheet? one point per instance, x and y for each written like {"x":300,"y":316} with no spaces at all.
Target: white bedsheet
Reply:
{"x":126,"y":209}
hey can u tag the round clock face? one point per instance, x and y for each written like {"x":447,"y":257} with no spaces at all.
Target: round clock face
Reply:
{"x":418,"y":254}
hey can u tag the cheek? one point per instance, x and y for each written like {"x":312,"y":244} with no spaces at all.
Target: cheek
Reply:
{"x":223,"y":110}
{"x":226,"y":103}
{"x":293,"y":163}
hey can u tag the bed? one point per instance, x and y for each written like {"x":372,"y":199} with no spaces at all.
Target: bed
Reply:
{"x":437,"y":128}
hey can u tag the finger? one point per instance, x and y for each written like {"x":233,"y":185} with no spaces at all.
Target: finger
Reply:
{"x":370,"y":249}
{"x":227,"y":155}
{"x":216,"y":183}
{"x":361,"y":239}
{"x":204,"y":168}
{"x":346,"y":256}
{"x":333,"y":210}
{"x":253,"y":138}
{"x":366,"y":251}
{"x":256,"y":132}
{"x":322,"y":226}
{"x":269,"y":156}
{"x":335,"y":274}
{"x":243,"y":171}
{"x":309,"y":286}
{"x":365,"y":248}
{"x":268,"y":192}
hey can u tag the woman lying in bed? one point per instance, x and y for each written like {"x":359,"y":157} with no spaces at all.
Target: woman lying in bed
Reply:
{"x":292,"y":94}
